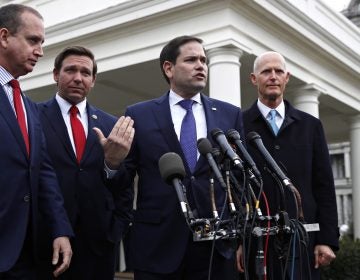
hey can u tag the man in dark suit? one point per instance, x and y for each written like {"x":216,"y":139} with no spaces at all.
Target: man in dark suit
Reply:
{"x":162,"y":245}
{"x":298,"y":144}
{"x":27,"y":180}
{"x":98,"y":206}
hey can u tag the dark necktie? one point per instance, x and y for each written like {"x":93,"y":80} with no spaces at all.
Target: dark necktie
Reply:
{"x":272,"y":121}
{"x":188,"y":134}
{"x":78,"y":132}
{"x":20,"y":114}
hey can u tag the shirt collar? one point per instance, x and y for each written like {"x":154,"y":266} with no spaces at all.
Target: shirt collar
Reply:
{"x":265,"y":109}
{"x":65,"y":105}
{"x":174,"y":98}
{"x":5,"y":76}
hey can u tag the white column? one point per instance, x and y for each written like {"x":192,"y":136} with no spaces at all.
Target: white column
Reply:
{"x":305,"y":98}
{"x":355,"y":163}
{"x":224,"y":74}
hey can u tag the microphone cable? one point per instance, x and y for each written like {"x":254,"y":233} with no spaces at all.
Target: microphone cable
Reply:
{"x":214,"y":239}
{"x":267,"y":233}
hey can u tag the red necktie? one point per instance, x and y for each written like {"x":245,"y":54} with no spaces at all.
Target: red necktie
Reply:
{"x":78,"y":132}
{"x":20,"y":112}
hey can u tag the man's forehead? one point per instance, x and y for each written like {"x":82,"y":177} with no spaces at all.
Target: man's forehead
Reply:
{"x":275,"y":63}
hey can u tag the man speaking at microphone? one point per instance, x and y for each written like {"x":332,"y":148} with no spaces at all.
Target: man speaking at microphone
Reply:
{"x":162,"y":245}
{"x":296,"y":141}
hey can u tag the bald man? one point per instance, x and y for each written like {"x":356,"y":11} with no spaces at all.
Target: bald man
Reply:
{"x":296,"y":141}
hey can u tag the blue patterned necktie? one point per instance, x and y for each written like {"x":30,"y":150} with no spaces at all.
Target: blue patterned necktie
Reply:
{"x":188,"y":134}
{"x":272,"y":122}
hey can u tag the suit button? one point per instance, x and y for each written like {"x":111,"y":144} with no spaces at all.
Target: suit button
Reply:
{"x":277,"y":147}
{"x":27,"y":198}
{"x":192,"y":178}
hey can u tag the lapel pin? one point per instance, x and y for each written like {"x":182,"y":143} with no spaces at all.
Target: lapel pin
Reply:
{"x":94,"y":117}
{"x":213,"y":108}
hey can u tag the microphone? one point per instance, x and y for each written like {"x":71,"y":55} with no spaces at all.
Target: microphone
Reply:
{"x":259,"y":259}
{"x":219,"y":138}
{"x":172,"y":171}
{"x":234,"y":138}
{"x":216,"y":153}
{"x":205,"y":148}
{"x":255,"y":139}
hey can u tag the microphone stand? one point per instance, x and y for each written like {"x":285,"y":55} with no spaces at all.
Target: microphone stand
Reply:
{"x":212,"y":199}
{"x":227,"y":176}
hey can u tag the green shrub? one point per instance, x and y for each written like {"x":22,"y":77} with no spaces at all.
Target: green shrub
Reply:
{"x":346,"y":266}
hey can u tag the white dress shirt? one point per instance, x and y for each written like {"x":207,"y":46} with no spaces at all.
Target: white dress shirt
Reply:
{"x":279,"y":118}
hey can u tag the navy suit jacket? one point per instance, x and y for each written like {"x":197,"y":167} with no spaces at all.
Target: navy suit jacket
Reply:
{"x":26,"y":184}
{"x":98,"y":208}
{"x":160,"y":234}
{"x":301,"y":151}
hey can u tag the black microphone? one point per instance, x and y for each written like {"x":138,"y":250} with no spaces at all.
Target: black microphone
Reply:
{"x":216,"y":153}
{"x":172,"y":171}
{"x":234,"y":138}
{"x":205,"y":148}
{"x":259,"y":258}
{"x":219,"y":137}
{"x":255,"y":139}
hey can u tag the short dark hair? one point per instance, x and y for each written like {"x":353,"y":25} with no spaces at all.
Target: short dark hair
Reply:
{"x":74,"y":50}
{"x":171,"y":50}
{"x":10,"y":16}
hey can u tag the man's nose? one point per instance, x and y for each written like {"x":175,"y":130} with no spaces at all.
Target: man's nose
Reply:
{"x":77,"y":76}
{"x":200,"y":64}
{"x":273,"y":74}
{"x":39,"y":51}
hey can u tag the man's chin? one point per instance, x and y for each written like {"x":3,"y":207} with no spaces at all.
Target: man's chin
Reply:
{"x":199,"y":86}
{"x":273,"y":96}
{"x":28,"y":69}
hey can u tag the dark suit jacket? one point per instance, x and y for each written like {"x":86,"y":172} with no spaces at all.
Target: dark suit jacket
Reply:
{"x":159,"y":234}
{"x":98,"y":208}
{"x":301,"y":150}
{"x":26,"y":184}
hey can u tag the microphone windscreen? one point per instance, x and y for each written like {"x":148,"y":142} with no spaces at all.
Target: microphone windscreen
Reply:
{"x":217,"y":154}
{"x":252,"y":135}
{"x":215,"y":132}
{"x":171,"y":166}
{"x":232,"y":135}
{"x":204,"y":146}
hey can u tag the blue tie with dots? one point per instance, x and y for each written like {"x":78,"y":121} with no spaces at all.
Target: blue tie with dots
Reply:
{"x":188,"y":134}
{"x":272,"y":122}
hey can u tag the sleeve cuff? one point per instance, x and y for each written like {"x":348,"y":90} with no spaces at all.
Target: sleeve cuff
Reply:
{"x":110,"y":173}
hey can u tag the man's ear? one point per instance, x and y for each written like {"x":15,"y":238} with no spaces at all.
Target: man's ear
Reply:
{"x":168,"y":67}
{"x":287,"y":77}
{"x":4,"y":35}
{"x":93,"y":82}
{"x":56,"y":75}
{"x":253,"y":79}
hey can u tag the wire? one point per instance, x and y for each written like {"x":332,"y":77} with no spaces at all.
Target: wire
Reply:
{"x":214,"y":239}
{"x":267,"y":234}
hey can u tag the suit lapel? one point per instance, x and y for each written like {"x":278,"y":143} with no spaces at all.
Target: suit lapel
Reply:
{"x":161,"y":111}
{"x":9,"y":116}
{"x":31,"y":128}
{"x":291,"y":115}
{"x":210,"y":114}
{"x":211,"y":123}
{"x":53,"y":114}
{"x":91,"y":138}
